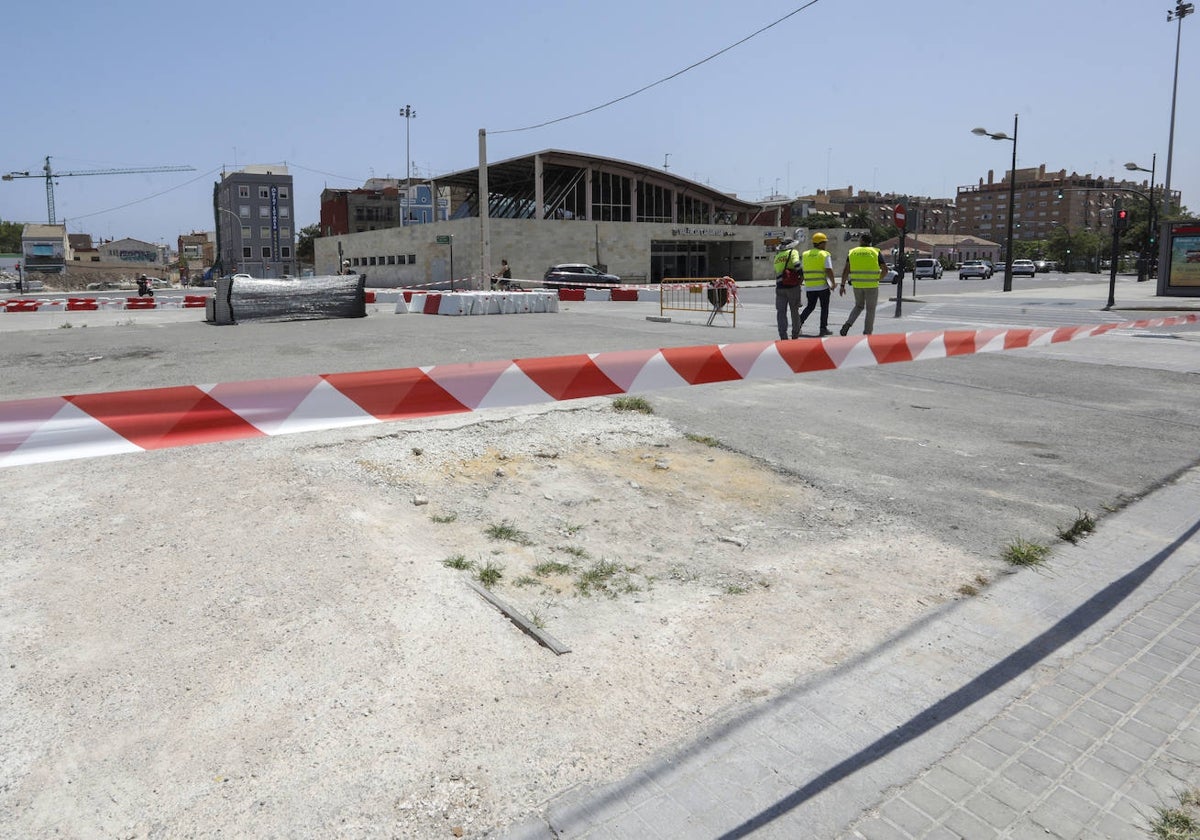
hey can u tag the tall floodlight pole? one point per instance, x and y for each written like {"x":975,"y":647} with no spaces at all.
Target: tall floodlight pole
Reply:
{"x":1181,"y":11}
{"x":1151,"y":220}
{"x":409,"y":115}
{"x":1012,"y":196}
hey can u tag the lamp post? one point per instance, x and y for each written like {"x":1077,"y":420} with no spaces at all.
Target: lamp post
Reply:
{"x":409,"y":115}
{"x":241,"y":245}
{"x":1151,"y":221}
{"x":1012,"y":196}
{"x":1181,"y":11}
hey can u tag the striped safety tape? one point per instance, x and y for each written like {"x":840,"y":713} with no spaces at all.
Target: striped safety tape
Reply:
{"x":88,"y":425}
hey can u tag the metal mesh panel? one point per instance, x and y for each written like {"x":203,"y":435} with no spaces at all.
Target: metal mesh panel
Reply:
{"x":249,"y":299}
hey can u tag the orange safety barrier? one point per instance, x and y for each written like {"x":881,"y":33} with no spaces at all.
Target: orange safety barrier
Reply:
{"x":194,"y":301}
{"x":22,"y":305}
{"x":623,"y":294}
{"x":714,"y":295}
{"x":571,"y":294}
{"x":139,"y":303}
{"x":370,"y":297}
{"x":81,"y":304}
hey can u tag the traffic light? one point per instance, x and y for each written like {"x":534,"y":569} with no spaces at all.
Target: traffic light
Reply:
{"x":1121,"y":219}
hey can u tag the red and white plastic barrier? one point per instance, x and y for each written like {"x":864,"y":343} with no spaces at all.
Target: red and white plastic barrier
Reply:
{"x":87,"y":425}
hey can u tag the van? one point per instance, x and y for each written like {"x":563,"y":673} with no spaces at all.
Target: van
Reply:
{"x":927,"y":268}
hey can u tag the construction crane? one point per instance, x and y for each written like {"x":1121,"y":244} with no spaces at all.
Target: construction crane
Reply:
{"x":50,"y":175}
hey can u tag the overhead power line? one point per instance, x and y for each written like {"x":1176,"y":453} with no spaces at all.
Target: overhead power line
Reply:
{"x":664,"y":79}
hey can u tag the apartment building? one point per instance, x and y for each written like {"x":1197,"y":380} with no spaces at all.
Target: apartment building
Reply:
{"x":255,"y":221}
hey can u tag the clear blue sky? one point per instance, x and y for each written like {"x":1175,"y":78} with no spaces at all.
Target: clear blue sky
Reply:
{"x":878,"y":95}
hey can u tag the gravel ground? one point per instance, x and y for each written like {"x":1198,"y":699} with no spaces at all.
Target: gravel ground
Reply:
{"x":263,"y":638}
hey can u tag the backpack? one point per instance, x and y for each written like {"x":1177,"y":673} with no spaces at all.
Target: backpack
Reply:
{"x":785,"y":272}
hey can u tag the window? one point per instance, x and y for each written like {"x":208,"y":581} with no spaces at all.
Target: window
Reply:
{"x":246,"y":252}
{"x":266,"y":252}
{"x":264,"y":192}
{"x":286,"y":252}
{"x":354,"y":261}
{"x":391,"y":259}
{"x":284,"y":212}
{"x":245,"y":232}
{"x":244,"y":211}
{"x":264,"y":233}
{"x":285,"y":233}
{"x":372,"y":261}
{"x":400,"y":259}
{"x":243,"y":191}
{"x":283,"y":192}
{"x":412,"y":259}
{"x":264,"y":212}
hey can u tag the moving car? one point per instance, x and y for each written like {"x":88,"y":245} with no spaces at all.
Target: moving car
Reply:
{"x":974,"y":268}
{"x":578,"y":274}
{"x":925,"y":267}
{"x":1041,"y":266}
{"x":1024,"y":267}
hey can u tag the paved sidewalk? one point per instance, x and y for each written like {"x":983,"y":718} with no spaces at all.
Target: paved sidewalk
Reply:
{"x":1060,"y":702}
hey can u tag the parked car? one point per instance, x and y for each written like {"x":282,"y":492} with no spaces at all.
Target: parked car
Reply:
{"x":580,"y":274}
{"x":974,"y":268}
{"x":990,"y":267}
{"x":1024,"y":267}
{"x":925,"y":267}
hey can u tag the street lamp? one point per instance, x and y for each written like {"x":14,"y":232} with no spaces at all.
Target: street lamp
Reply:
{"x":1181,"y":11}
{"x":1152,"y":221}
{"x":1012,"y":196}
{"x":241,"y":244}
{"x":409,"y":115}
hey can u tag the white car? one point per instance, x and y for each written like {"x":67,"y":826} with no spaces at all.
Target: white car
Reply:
{"x":1025,"y":267}
{"x":925,"y":267}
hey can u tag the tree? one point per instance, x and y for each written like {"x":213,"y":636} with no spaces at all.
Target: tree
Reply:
{"x":10,"y":237}
{"x":818,"y":221}
{"x":305,"y":249}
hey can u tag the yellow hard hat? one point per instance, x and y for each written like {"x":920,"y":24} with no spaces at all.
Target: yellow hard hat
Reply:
{"x":819,"y":239}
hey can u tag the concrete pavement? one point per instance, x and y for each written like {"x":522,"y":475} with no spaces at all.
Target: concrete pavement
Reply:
{"x":1061,"y":701}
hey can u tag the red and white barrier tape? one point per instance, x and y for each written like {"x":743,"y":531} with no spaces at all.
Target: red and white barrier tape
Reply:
{"x":88,"y":425}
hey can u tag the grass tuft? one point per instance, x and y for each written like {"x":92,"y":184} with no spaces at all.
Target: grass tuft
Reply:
{"x":1021,"y":552}
{"x":489,"y":575}
{"x":574,"y":551}
{"x":551,"y":567}
{"x":444,"y":519}
{"x":639,"y":404}
{"x":458,"y":561}
{"x":507,"y":531}
{"x":703,"y":439}
{"x":1079,"y":529}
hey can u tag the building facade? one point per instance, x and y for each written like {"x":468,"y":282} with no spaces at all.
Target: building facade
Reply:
{"x":1043,"y":201}
{"x":255,"y":215}
{"x":45,"y":248}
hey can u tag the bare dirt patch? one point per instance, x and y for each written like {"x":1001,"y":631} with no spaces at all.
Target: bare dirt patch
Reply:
{"x":264,"y":638}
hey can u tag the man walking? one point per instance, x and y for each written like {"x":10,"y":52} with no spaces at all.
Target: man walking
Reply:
{"x":817,"y":264}
{"x":787,"y":289}
{"x":864,"y":269}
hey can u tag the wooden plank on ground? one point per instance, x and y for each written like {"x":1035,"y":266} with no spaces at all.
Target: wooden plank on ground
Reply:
{"x":540,"y":636}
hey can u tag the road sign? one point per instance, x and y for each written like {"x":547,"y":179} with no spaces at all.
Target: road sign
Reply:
{"x":898,"y":216}
{"x":443,"y":240}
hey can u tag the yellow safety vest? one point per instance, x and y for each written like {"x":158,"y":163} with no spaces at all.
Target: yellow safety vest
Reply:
{"x":786,"y":259}
{"x":864,"y":267}
{"x":813,"y":263}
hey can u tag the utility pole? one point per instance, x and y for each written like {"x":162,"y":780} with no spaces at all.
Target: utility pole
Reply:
{"x":1181,"y":11}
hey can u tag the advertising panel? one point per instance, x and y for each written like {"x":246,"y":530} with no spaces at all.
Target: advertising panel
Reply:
{"x":1183,"y":258}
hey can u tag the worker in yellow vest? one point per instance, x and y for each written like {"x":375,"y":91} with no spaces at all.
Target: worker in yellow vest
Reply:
{"x":788,"y":287}
{"x":817,"y":264}
{"x":864,"y":269}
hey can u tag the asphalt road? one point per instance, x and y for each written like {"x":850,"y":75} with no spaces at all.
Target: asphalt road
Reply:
{"x":979,"y":449}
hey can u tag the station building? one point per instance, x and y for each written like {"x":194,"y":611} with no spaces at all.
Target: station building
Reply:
{"x":641,"y":223}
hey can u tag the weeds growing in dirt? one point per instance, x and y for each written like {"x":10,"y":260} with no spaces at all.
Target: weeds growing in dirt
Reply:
{"x":704,"y":439}
{"x":632,"y":404}
{"x":509,"y":532}
{"x":1021,"y":552}
{"x":1079,"y":529}
{"x":459,"y":562}
{"x":606,"y":578}
{"x":489,"y":574}
{"x":551,"y":567}
{"x":1180,"y":823}
{"x":974,"y":587}
{"x":444,"y":519}
{"x":574,"y":551}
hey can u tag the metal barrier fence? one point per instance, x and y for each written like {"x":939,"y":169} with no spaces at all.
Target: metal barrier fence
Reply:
{"x":714,"y":295}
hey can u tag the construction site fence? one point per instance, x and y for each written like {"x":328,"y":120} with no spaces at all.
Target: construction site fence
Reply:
{"x":698,"y":294}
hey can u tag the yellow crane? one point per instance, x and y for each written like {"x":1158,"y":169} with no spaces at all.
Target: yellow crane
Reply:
{"x":50,"y":175}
